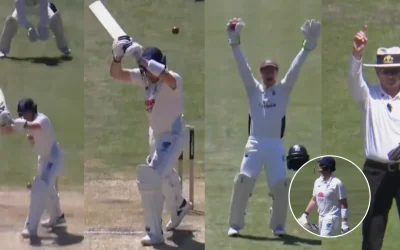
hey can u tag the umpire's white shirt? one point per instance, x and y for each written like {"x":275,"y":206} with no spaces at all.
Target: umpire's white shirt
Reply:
{"x":380,"y":123}
{"x":164,"y":106}
{"x":46,"y":145}
{"x":267,"y":106}
{"x":328,"y":193}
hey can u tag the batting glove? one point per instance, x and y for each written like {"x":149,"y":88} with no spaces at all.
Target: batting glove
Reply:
{"x":135,"y":51}
{"x":234,"y":27}
{"x":20,"y":124}
{"x":311,"y":30}
{"x":32,"y":35}
{"x":345,"y":227}
{"x":119,"y":47}
{"x":5,"y":118}
{"x":43,"y":33}
{"x":303,"y":219}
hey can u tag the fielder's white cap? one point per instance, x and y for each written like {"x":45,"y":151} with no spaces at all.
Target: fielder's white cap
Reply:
{"x":386,"y":58}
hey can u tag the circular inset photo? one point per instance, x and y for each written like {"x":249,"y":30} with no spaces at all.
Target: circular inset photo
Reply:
{"x":329,"y":196}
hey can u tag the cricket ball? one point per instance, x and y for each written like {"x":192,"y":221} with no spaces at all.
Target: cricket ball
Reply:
{"x":175,"y":30}
{"x":232,"y":25}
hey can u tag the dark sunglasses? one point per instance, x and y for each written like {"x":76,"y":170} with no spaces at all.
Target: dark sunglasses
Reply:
{"x":389,"y":71}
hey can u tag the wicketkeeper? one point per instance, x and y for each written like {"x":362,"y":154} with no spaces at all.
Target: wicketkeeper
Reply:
{"x":267,"y":100}
{"x":164,"y":105}
{"x":49,"y":18}
{"x":44,"y":195}
{"x":329,"y":194}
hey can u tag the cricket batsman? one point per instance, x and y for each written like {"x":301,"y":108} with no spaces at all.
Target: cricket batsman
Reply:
{"x":268,"y":101}
{"x":49,"y":18}
{"x":164,"y":105}
{"x":43,"y":195}
{"x":329,"y":194}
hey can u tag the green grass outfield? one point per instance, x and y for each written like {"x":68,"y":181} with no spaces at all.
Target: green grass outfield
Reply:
{"x":341,"y":116}
{"x":116,"y":126}
{"x":272,"y":30}
{"x":353,"y":179}
{"x":57,"y":87}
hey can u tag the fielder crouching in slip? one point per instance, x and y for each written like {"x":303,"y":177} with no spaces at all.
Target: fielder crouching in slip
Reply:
{"x":49,"y":17}
{"x":44,"y":195}
{"x":329,"y":194}
{"x":164,"y":105}
{"x":267,"y":107}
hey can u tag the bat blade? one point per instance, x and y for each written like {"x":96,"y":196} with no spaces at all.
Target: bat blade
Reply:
{"x":106,"y":19}
{"x":3,"y":104}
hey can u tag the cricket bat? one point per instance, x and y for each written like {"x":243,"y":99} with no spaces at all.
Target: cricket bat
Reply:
{"x":3,"y":104}
{"x":106,"y":19}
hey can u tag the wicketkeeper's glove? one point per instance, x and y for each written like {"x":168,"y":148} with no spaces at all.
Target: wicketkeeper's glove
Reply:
{"x":119,"y":47}
{"x":345,"y":227}
{"x":311,"y":30}
{"x":234,"y":27}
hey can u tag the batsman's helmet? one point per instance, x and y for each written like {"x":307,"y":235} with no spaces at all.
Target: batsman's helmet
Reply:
{"x":327,"y":163}
{"x":153,"y":53}
{"x":26,"y":105}
{"x":297,"y":157}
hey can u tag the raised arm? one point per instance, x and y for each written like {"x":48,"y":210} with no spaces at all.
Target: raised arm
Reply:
{"x":311,"y":30}
{"x":234,"y":28}
{"x":357,"y":86}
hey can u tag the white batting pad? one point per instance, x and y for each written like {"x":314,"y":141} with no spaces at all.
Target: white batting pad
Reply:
{"x":39,"y":196}
{"x":53,"y":207}
{"x":280,"y":203}
{"x":172,"y":190}
{"x":150,"y":187}
{"x":9,"y":31}
{"x":242,"y":188}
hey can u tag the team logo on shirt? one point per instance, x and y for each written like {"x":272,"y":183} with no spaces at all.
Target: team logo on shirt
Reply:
{"x":266,"y":104}
{"x":320,"y":195}
{"x":328,"y":226}
{"x":149,"y":104}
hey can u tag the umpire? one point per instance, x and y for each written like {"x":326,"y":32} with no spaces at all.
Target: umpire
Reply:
{"x":380,"y":107}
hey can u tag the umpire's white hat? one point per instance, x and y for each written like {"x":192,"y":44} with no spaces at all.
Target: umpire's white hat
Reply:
{"x":386,"y":58}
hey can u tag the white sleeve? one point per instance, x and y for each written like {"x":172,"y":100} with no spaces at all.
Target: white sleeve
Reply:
{"x":244,"y":70}
{"x":178,"y":79}
{"x":136,"y":77}
{"x":315,"y":189}
{"x":21,"y":13}
{"x":341,"y":191}
{"x":43,"y":13}
{"x":293,"y":73}
{"x":43,"y":121}
{"x":357,"y":86}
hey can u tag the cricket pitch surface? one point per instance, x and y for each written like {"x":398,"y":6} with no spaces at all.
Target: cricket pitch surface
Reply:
{"x":14,"y":205}
{"x":114,"y":217}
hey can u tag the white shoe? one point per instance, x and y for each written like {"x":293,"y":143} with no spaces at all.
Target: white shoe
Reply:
{"x":279,"y":232}
{"x":232,"y":232}
{"x":3,"y":55}
{"x":150,"y":240}
{"x":58,"y":222}
{"x":26,"y":233}
{"x":177,"y":218}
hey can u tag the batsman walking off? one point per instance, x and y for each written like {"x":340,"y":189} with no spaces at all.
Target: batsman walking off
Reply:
{"x":329,"y":194}
{"x":267,"y":107}
{"x":44,"y":195}
{"x":49,"y":17}
{"x":164,"y":105}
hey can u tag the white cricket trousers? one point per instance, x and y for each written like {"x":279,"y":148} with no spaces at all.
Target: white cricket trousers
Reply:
{"x":329,"y":225}
{"x":268,"y":152}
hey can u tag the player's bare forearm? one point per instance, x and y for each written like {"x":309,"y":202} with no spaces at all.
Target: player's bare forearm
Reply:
{"x":165,"y":75}
{"x":7,"y":130}
{"x":33,"y":126}
{"x":311,"y":205}
{"x":344,"y":205}
{"x":117,"y":72}
{"x":294,"y":70}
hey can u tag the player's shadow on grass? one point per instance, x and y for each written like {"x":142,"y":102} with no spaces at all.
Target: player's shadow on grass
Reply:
{"x":63,"y":238}
{"x":48,"y":61}
{"x":184,"y":239}
{"x":287,"y":239}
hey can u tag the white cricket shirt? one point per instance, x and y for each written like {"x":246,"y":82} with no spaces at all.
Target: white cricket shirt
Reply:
{"x":328,"y":193}
{"x":164,"y":106}
{"x":46,"y":145}
{"x":267,"y":106}
{"x":380,"y":115}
